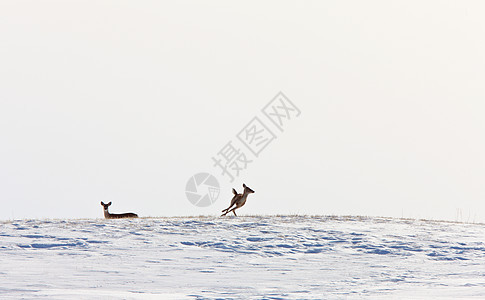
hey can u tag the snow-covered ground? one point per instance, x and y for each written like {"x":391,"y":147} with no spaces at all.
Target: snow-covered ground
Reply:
{"x":277,"y":257}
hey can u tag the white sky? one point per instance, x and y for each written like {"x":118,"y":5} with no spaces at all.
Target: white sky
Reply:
{"x":123,"y":101}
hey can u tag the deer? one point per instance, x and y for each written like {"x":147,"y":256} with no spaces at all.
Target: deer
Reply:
{"x":107,"y":215}
{"x":238,"y":200}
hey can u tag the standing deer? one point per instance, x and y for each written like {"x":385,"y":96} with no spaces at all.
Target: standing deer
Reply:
{"x":239,"y":200}
{"x":107,"y":215}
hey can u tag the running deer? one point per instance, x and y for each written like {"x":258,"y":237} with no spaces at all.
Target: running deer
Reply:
{"x":239,"y":200}
{"x":107,"y":215}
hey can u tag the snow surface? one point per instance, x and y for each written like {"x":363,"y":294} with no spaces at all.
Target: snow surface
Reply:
{"x":263,"y":257}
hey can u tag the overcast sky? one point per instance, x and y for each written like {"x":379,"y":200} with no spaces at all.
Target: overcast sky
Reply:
{"x":124,"y":101}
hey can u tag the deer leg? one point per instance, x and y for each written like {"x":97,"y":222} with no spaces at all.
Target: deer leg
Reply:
{"x":225,"y":211}
{"x":233,"y":210}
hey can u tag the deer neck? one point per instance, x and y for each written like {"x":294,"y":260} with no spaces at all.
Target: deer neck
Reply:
{"x":107,"y":215}
{"x":244,"y":196}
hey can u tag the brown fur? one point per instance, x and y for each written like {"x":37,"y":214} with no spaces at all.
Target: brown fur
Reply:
{"x":107,"y":215}
{"x":238,"y":200}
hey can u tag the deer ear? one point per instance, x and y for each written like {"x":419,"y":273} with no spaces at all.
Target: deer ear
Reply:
{"x":234,"y":191}
{"x":102,"y":203}
{"x":244,"y":185}
{"x":109,"y":203}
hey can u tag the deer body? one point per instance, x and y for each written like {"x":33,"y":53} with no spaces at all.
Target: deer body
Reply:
{"x":238,"y":200}
{"x":108,"y":215}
